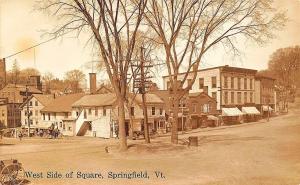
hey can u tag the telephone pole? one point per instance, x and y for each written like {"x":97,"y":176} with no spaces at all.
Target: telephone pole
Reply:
{"x":142,"y":83}
{"x":27,"y":110}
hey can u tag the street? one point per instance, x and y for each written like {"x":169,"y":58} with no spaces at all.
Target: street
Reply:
{"x":251,"y":153}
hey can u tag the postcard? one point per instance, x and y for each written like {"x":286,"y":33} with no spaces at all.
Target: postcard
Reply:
{"x":154,"y":92}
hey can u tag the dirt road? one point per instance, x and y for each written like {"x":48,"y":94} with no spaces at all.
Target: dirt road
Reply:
{"x":263,"y":153}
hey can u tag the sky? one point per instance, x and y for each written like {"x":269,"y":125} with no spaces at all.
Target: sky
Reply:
{"x":22,"y":27}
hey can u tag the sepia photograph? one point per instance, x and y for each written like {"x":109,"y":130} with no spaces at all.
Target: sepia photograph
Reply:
{"x":150,"y":92}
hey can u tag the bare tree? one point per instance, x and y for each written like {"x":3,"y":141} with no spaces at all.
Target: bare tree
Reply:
{"x":284,"y":64}
{"x":48,"y":77}
{"x":188,"y":29}
{"x":113,"y":25}
{"x":73,"y":79}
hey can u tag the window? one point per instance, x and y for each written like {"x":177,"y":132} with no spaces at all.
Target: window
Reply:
{"x":66,"y":115}
{"x":30,"y":103}
{"x":239,"y":83}
{"x":194,"y":107}
{"x":96,"y":111}
{"x":214,"y":95}
{"x":201,"y":83}
{"x":251,"y":83}
{"x":104,"y":111}
{"x":251,"y":97}
{"x":225,"y":82}
{"x":213,"y":82}
{"x":60,"y":124}
{"x":36,"y":112}
{"x":90,"y":111}
{"x":64,"y":126}
{"x":205,"y":108}
{"x":160,"y":111}
{"x":168,"y":85}
{"x":232,"y":97}
{"x":226,"y":98}
{"x":239,"y":96}
{"x":77,"y":113}
{"x":232,"y":82}
{"x":245,"y":83}
{"x":36,"y":122}
{"x":245,"y":97}
{"x":132,"y":111}
{"x":44,"y":116}
{"x":153,"y":110}
{"x":36,"y":103}
{"x":48,"y":116}
{"x":70,"y":128}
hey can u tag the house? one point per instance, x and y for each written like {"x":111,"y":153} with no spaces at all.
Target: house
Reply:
{"x":59,"y":113}
{"x":195,"y":109}
{"x":94,"y":115}
{"x":232,"y":87}
{"x":34,"y":104}
{"x":13,"y":95}
{"x":265,"y":95}
{"x":97,"y":114}
{"x":155,"y":112}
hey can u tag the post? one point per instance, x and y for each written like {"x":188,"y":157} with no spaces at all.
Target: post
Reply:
{"x":143,"y":91}
{"x":14,"y":115}
{"x":27,"y":109}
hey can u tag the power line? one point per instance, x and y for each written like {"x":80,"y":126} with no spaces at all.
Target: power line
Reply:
{"x":34,"y":46}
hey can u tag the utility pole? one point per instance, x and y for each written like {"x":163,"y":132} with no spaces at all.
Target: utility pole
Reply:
{"x":27,"y":110}
{"x":142,"y":83}
{"x":143,"y":92}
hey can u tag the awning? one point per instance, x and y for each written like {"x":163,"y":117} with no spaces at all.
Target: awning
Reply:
{"x":231,"y":112}
{"x":250,"y":110}
{"x":266,"y":108}
{"x":211,"y":117}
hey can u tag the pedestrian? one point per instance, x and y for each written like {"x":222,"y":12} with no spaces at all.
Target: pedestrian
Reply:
{"x":117,"y":132}
{"x":20,"y":135}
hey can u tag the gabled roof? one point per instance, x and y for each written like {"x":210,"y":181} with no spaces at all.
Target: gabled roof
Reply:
{"x":22,"y":88}
{"x":62,"y":103}
{"x":151,"y":98}
{"x":202,"y":94}
{"x":103,"y":89}
{"x":43,"y":99}
{"x":95,"y":100}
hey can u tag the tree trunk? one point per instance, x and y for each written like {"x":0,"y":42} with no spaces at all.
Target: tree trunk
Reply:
{"x":146,"y":126}
{"x":121,"y":119}
{"x":174,"y":134}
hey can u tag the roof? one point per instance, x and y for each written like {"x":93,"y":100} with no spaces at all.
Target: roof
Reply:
{"x":104,"y":89}
{"x":150,"y":98}
{"x":43,"y":99}
{"x":22,"y":88}
{"x":202,"y":94}
{"x":95,"y":100}
{"x":225,"y":68}
{"x":62,"y":103}
{"x":259,"y":76}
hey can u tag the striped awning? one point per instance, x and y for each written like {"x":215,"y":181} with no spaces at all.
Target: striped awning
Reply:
{"x":231,"y":112}
{"x":250,"y":110}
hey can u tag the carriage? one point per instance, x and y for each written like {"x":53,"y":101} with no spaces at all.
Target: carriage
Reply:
{"x":11,"y":172}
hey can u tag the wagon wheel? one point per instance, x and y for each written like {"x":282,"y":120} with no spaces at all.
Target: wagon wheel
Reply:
{"x":17,"y":174}
{"x":5,"y":177}
{"x":12,"y":175}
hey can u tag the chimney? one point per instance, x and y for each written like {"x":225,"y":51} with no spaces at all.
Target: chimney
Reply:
{"x":93,"y":81}
{"x":2,"y":73}
{"x":36,"y":82}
